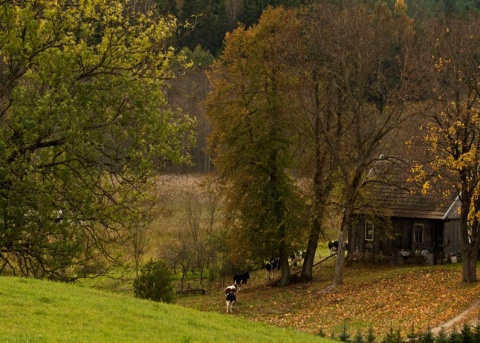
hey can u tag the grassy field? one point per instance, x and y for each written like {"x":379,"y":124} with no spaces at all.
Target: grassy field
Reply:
{"x":404,"y":298}
{"x":42,"y":311}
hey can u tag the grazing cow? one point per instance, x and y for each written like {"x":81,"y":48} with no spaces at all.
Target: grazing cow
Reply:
{"x":241,"y":279}
{"x":271,"y":266}
{"x":333,"y":246}
{"x":231,"y":297}
{"x":296,"y":258}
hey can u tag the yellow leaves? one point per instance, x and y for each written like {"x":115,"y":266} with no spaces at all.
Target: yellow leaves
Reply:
{"x":426,"y":187}
{"x":465,"y":160}
{"x":400,"y":6}
{"x":441,"y":63}
{"x":418,"y":173}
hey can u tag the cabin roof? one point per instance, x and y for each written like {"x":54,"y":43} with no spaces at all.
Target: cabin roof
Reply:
{"x":390,"y":194}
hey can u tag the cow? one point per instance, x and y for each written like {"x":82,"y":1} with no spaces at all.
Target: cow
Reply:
{"x":333,"y":246}
{"x":271,"y":266}
{"x":231,"y":297}
{"x":241,"y":279}
{"x":296,"y":258}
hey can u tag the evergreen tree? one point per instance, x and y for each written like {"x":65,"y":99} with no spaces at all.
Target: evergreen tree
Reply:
{"x":155,"y":282}
{"x":253,"y":9}
{"x":207,"y":24}
{"x":371,"y":336}
{"x":167,"y":7}
{"x":358,"y":338}
{"x":441,"y":336}
{"x":467,"y":334}
{"x":393,"y":336}
{"x":344,"y":336}
{"x":427,"y":337}
{"x":413,"y":336}
{"x":476,"y":332}
{"x":455,"y":337}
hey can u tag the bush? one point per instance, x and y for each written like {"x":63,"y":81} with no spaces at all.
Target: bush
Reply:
{"x":155,"y":282}
{"x":467,"y":334}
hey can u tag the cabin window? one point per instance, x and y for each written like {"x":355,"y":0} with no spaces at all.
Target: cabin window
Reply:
{"x":418,"y":230}
{"x":369,"y":230}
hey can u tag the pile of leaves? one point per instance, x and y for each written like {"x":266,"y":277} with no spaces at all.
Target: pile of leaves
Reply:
{"x":405,"y":298}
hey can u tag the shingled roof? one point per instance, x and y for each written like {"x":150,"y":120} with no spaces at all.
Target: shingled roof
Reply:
{"x":390,"y":194}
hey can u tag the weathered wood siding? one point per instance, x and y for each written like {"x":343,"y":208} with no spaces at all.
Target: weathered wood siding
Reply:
{"x":401,"y":236}
{"x":452,"y":240}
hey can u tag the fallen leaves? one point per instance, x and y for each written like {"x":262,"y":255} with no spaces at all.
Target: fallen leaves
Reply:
{"x":378,"y":298}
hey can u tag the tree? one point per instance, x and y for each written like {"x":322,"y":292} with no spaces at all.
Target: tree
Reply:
{"x":187,"y":91}
{"x":312,"y":119}
{"x":207,"y":24}
{"x":155,"y":283}
{"x":361,"y":92}
{"x":453,"y":123}
{"x":253,"y":9}
{"x":250,"y":139}
{"x":83,"y":126}
{"x":167,"y":7}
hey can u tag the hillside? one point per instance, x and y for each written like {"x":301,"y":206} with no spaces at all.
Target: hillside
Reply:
{"x":404,"y":298}
{"x":42,"y":311}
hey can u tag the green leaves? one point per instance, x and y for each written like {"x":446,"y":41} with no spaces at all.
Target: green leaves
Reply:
{"x":251,"y":140}
{"x":85,"y":125}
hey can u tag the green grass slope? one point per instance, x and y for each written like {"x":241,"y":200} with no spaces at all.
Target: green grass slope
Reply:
{"x":41,"y":311}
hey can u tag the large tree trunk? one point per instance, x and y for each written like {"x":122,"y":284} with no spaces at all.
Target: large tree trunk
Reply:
{"x":340,"y":260}
{"x":307,"y":268}
{"x":469,"y":258}
{"x":470,"y":245}
{"x":284,"y":267}
{"x":321,"y":189}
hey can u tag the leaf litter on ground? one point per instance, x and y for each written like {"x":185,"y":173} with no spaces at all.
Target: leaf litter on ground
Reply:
{"x":404,"y":298}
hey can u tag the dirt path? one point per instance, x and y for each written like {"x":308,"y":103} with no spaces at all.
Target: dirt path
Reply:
{"x":456,"y":320}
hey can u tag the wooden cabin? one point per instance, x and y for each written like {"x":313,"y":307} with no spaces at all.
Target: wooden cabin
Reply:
{"x":400,"y":224}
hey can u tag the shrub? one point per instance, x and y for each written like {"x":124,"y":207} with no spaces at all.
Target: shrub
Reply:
{"x":344,"y":336}
{"x":427,"y":337}
{"x":455,"y":337}
{"x":467,"y":334}
{"x":155,"y":282}
{"x":370,"y":336}
{"x":358,"y":338}
{"x":393,"y":337}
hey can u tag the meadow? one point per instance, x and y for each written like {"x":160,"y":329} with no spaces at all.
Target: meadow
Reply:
{"x":43,"y":311}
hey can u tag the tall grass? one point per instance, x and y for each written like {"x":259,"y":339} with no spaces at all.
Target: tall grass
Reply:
{"x":42,"y":311}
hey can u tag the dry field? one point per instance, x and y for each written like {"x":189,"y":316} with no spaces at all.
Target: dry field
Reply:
{"x":181,"y":200}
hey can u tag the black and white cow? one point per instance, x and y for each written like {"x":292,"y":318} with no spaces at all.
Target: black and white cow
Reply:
{"x":296,"y":258}
{"x":231,"y":297}
{"x":241,"y":279}
{"x":333,"y":246}
{"x":271,"y":266}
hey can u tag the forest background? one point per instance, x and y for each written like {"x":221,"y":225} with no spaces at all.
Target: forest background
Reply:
{"x":85,"y":129}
